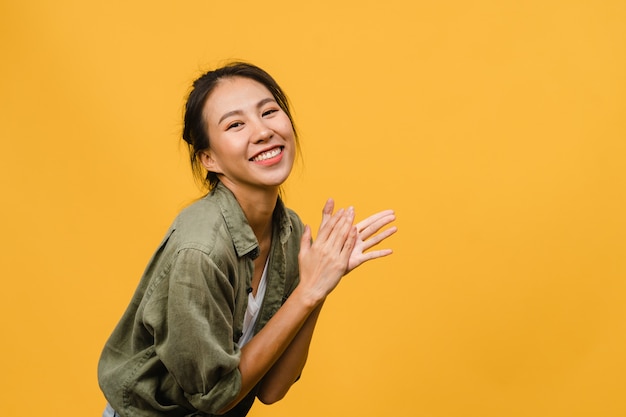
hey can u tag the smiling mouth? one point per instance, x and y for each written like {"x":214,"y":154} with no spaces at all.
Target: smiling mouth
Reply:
{"x":272,"y":153}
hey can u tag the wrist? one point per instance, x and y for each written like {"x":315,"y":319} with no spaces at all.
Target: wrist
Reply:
{"x":308,"y":298}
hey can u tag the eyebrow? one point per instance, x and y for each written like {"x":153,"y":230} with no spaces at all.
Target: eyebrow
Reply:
{"x":238,"y":112}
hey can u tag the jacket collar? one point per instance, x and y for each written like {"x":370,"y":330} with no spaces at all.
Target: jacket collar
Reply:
{"x":244,"y":240}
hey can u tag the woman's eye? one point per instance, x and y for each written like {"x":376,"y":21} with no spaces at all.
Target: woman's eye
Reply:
{"x":268,"y":112}
{"x":234,"y":125}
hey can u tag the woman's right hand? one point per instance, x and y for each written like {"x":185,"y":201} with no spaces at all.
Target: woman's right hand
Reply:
{"x":324,"y":261}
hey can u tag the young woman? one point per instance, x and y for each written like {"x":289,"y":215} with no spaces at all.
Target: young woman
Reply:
{"x":226,"y":308}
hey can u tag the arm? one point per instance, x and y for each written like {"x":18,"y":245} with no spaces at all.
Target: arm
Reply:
{"x":288,"y":368}
{"x":287,"y":334}
{"x":278,"y":353}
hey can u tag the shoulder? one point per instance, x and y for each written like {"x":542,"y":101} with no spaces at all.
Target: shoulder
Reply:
{"x":202,"y":213}
{"x":215,"y":222}
{"x":200,"y":225}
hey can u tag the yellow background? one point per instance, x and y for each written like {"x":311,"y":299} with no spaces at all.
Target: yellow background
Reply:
{"x":495,"y":129}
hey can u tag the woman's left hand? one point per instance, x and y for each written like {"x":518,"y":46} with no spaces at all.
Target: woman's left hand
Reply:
{"x":368,"y":236}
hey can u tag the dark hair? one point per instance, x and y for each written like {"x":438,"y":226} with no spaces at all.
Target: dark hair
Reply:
{"x":195,"y":130}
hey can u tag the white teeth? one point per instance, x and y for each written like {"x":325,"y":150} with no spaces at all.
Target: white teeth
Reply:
{"x":267,"y":155}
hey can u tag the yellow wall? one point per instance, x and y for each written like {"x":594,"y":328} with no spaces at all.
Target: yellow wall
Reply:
{"x":496,"y":129}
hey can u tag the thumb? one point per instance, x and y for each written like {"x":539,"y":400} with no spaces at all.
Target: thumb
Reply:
{"x":305,"y":240}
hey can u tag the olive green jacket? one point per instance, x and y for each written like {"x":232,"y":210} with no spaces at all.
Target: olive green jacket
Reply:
{"x":174,"y":351}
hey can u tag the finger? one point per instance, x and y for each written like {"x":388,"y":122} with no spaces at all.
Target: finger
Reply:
{"x":342,"y":229}
{"x":350,"y":243}
{"x":378,"y":218}
{"x":376,"y":239}
{"x":374,"y":255}
{"x":305,"y":240}
{"x":374,"y":217}
{"x":373,"y":224}
{"x":327,"y":227}
{"x":327,"y":211}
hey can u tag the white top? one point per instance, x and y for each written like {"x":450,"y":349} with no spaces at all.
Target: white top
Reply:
{"x":254,"y":306}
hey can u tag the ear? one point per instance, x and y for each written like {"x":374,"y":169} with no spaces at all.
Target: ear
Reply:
{"x":208,"y":162}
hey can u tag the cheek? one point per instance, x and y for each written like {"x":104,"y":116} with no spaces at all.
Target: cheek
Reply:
{"x":223,"y":142}
{"x":286,"y":129}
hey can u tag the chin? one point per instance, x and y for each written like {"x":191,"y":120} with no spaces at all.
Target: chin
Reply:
{"x":277,"y":181}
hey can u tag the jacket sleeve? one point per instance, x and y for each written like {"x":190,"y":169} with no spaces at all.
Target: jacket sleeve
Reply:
{"x":191,"y":317}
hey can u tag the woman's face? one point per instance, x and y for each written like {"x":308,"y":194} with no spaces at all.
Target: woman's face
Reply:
{"x":252,"y":142}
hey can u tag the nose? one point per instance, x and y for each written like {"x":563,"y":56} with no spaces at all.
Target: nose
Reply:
{"x":266,"y":134}
{"x":262,"y":133}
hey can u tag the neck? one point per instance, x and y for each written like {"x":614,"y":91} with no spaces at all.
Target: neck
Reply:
{"x":258,"y":206}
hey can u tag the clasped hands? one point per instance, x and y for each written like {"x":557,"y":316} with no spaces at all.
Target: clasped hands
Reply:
{"x":340,"y":245}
